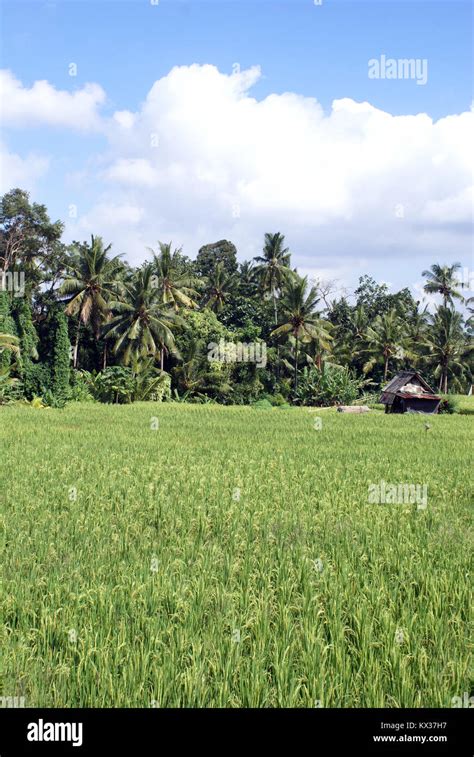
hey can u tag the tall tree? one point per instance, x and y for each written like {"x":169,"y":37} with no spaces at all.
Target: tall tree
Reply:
{"x":175,"y":287}
{"x":142,"y":325}
{"x":298,"y":318}
{"x":210,"y":255}
{"x":448,"y":347}
{"x":217,"y":288}
{"x":273,"y":267}
{"x":26,"y":234}
{"x":416,"y":327}
{"x":441,"y":279}
{"x":91,"y":282}
{"x":386,"y":341}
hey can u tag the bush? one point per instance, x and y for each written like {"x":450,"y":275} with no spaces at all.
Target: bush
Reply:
{"x":36,"y":379}
{"x":262,"y":405}
{"x":120,"y":384}
{"x":50,"y":399}
{"x":10,"y":387}
{"x":335,"y":385}
{"x":114,"y":384}
{"x":80,"y":390}
{"x":449,"y":404}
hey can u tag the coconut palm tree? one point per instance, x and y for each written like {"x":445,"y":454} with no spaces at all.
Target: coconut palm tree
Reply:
{"x":217,"y":287}
{"x":141,"y":325}
{"x":416,"y":325}
{"x":91,"y":282}
{"x":175,"y":288}
{"x":386,"y":341}
{"x":442,"y":280}
{"x":447,"y":347}
{"x":298,"y":318}
{"x":319,"y":350}
{"x":470,"y":320}
{"x":10,"y":343}
{"x":273,"y":267}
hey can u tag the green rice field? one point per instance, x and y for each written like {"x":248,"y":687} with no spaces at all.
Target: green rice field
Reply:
{"x":171,"y":555}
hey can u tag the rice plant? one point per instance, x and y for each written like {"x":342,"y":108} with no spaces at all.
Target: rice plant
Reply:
{"x":172,"y":555}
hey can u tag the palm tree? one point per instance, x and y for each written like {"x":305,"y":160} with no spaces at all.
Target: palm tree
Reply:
{"x":298,"y":317}
{"x":217,"y":288}
{"x":386,"y":340}
{"x":447,"y":346}
{"x":175,"y":287}
{"x":10,"y":343}
{"x":349,"y":337}
{"x":149,"y":380}
{"x":92,"y":281}
{"x":319,"y":349}
{"x":442,"y":280}
{"x":416,"y":331}
{"x":273,"y":267}
{"x":191,"y":373}
{"x":470,"y":320}
{"x":141,"y":326}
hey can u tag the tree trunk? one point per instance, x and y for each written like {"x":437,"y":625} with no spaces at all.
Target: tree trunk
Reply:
{"x":275,"y":311}
{"x":162,"y":358}
{"x":104,"y":363}
{"x":296,"y":365}
{"x":76,"y":346}
{"x":385,"y":368}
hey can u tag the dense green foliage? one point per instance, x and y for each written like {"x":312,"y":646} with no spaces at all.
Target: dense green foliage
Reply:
{"x":291,"y":338}
{"x":61,"y":359}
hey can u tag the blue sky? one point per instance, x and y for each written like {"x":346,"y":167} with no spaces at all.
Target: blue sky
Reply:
{"x":311,"y":51}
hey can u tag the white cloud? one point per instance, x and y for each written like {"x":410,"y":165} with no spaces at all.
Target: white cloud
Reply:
{"x":452,"y":209}
{"x":109,"y":214}
{"x":43,"y":104}
{"x":16,"y":171}
{"x":202,"y":159}
{"x":133,"y":171}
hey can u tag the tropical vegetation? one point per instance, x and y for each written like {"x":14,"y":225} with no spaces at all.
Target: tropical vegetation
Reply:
{"x":85,"y":317}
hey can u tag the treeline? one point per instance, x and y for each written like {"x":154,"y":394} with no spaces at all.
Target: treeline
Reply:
{"x":77,"y":322}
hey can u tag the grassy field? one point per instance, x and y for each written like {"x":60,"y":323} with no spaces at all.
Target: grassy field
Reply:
{"x":173,"y":555}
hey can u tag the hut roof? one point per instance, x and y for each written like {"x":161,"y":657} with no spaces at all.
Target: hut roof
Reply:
{"x":396,"y":386}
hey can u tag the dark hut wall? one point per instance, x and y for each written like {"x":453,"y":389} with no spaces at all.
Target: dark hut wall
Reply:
{"x":420,"y":405}
{"x":415,"y":404}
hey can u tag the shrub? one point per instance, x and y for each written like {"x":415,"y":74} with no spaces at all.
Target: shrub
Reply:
{"x":334,"y":385}
{"x":80,"y":390}
{"x":114,"y":384}
{"x":449,"y":404}
{"x":53,"y":400}
{"x":36,"y":379}
{"x":262,"y":405}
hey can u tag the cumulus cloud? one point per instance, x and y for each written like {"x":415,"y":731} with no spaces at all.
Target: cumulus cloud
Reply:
{"x":354,"y":188}
{"x":16,"y":171}
{"x":43,"y":104}
{"x":205,"y":159}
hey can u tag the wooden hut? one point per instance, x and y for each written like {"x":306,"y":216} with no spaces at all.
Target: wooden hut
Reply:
{"x":408,"y":392}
